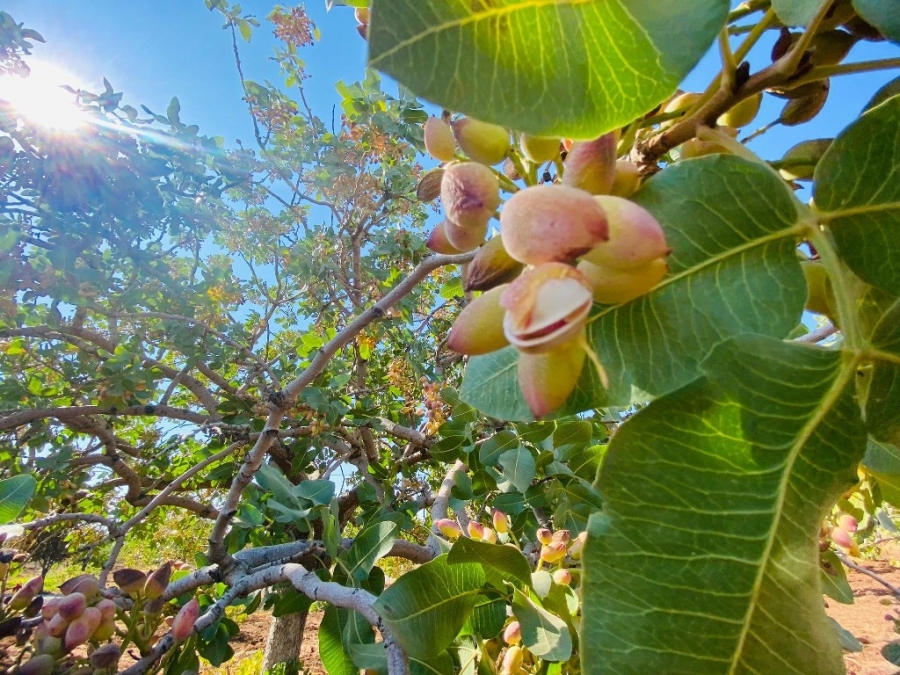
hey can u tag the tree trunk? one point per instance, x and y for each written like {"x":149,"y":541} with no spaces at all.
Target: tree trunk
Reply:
{"x":285,"y":637}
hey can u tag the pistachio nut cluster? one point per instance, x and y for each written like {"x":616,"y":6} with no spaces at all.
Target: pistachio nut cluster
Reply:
{"x":565,"y":243}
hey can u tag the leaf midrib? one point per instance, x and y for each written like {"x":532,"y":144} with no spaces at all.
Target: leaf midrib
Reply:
{"x":848,"y":371}
{"x":828,"y":216}
{"x":429,"y":608}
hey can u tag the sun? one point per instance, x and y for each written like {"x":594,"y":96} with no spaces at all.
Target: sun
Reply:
{"x":41,"y":99}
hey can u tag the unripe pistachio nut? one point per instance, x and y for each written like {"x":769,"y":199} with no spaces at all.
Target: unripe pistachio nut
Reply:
{"x":437,"y":241}
{"x":71,"y":606}
{"x":539,"y":149}
{"x":842,"y":538}
{"x":29,"y":591}
{"x":106,"y":657}
{"x":483,"y":142}
{"x":86,"y":584}
{"x":693,"y":148}
{"x":547,"y":379}
{"x":362,"y":15}
{"x":512,"y":634}
{"x":479,"y":327}
{"x":551,"y":223}
{"x":187,"y":616}
{"x":546,"y":306}
{"x":512,"y":660}
{"x":47,"y":644}
{"x":82,"y":628}
{"x":107,"y":608}
{"x":563,"y":577}
{"x":130,"y":580}
{"x":429,"y":187}
{"x":491,"y":266}
{"x":820,"y":296}
{"x":803,"y":158}
{"x":553,"y":552}
{"x":42,"y":664}
{"x":616,"y":287}
{"x":105,"y":630}
{"x":576,"y":548}
{"x":627,"y":179}
{"x":591,"y":165}
{"x":153,"y":606}
{"x":439,"y":140}
{"x":475,"y":530}
{"x":635,"y":236}
{"x":48,"y":609}
{"x":57,"y":626}
{"x":830,"y":47}
{"x":489,"y":536}
{"x":501,"y":521}
{"x":562,"y":535}
{"x":544,"y":535}
{"x":470,"y":193}
{"x":743,"y":112}
{"x":449,"y":528}
{"x":848,"y":523}
{"x":465,"y":238}
{"x":800,"y":110}
{"x":158,"y":581}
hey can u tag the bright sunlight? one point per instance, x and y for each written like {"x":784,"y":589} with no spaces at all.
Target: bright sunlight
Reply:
{"x":41,"y":98}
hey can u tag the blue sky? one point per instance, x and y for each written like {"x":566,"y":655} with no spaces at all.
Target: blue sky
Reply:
{"x":157,"y":49}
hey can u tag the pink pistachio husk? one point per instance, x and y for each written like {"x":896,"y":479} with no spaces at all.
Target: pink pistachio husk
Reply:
{"x":591,"y":165}
{"x":842,"y":538}
{"x":439,"y":140}
{"x":635,"y":236}
{"x":42,"y":664}
{"x":491,"y":267}
{"x":465,"y":238}
{"x":501,"y":521}
{"x":481,"y":141}
{"x":848,"y":523}
{"x":551,"y":223}
{"x":82,"y":628}
{"x":553,"y":552}
{"x":479,"y":327}
{"x":187,"y":616}
{"x":616,"y":287}
{"x":130,"y":580}
{"x":627,"y":179}
{"x":105,"y":657}
{"x":470,"y":193}
{"x":86,"y":584}
{"x":449,"y":528}
{"x":562,"y":577}
{"x":476,"y":530}
{"x":545,"y":307}
{"x":544,"y":535}
{"x":158,"y":581}
{"x":512,"y":660}
{"x":576,"y":548}
{"x":489,"y":536}
{"x":48,"y":609}
{"x":562,"y":535}
{"x":57,"y":626}
{"x":437,"y":241}
{"x":107,"y":608}
{"x":105,"y":630}
{"x":512,"y":634}
{"x":548,"y":379}
{"x":29,"y":591}
{"x":71,"y":606}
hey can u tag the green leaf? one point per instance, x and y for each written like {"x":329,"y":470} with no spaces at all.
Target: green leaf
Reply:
{"x":575,"y":68}
{"x":856,"y":192}
{"x":573,"y":433}
{"x":319,"y":492}
{"x":506,"y":561}
{"x":796,"y":12}
{"x":495,"y":446}
{"x":245,"y":29}
{"x":518,"y":467}
{"x":369,"y":547}
{"x":334,"y":657}
{"x":488,"y":617}
{"x":883,"y":400}
{"x":15,"y":493}
{"x":271,"y":479}
{"x":713,"y":499}
{"x":882,"y":14}
{"x":173,"y":111}
{"x":545,"y":634}
{"x":733,"y":228}
{"x":834,"y":578}
{"x":427,"y":607}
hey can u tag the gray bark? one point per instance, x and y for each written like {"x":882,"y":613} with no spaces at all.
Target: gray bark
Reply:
{"x":285,"y":638}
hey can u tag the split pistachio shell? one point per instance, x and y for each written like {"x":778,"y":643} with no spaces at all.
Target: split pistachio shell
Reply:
{"x":635,"y":236}
{"x":470,"y":193}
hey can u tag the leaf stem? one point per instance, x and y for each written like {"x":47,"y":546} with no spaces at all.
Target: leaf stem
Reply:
{"x":822,"y":72}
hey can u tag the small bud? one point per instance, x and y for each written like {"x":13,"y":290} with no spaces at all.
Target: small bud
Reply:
{"x":106,"y":657}
{"x":479,"y":327}
{"x":635,"y":236}
{"x":82,"y":628}
{"x":512,"y":661}
{"x":489,"y":536}
{"x":546,"y":307}
{"x":439,"y":140}
{"x":131,"y":581}
{"x":562,"y":535}
{"x":591,"y":165}
{"x":158,"y":581}
{"x":551,"y":223}
{"x":437,"y":241}
{"x":501,"y":521}
{"x":616,"y":287}
{"x":491,"y":266}
{"x":512,"y":634}
{"x":553,"y":552}
{"x":183,"y":625}
{"x":544,"y":535}
{"x":71,"y":606}
{"x":476,"y":530}
{"x":429,"y":187}
{"x":483,"y":142}
{"x":470,"y":193}
{"x":29,"y":591}
{"x":449,"y":528}
{"x":576,"y":548}
{"x":848,"y":523}
{"x":626,"y":180}
{"x":86,"y":584}
{"x":42,"y":664}
{"x":547,"y":379}
{"x":563,"y":577}
{"x":539,"y":149}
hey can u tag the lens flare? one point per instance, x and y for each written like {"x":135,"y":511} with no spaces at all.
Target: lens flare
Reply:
{"x":41,"y":99}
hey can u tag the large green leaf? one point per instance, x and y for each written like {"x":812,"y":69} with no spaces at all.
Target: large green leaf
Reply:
{"x":15,"y":493}
{"x":883,"y":14}
{"x":369,"y":547}
{"x":857,"y":192}
{"x":507,"y":561}
{"x":796,"y":12}
{"x":705,"y":558}
{"x":575,"y":68}
{"x":733,"y":228}
{"x":545,"y":634}
{"x":427,"y":607}
{"x":518,"y":467}
{"x":883,"y":400}
{"x":319,"y":492}
{"x":335,"y":657}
